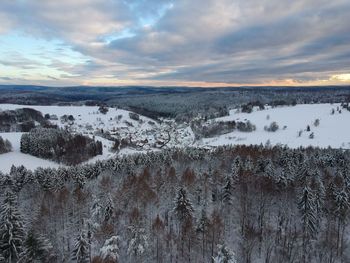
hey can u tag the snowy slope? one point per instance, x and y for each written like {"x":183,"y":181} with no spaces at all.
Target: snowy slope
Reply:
{"x":89,"y":121}
{"x":148,"y":135}
{"x":87,"y":115}
{"x":333,"y":130}
{"x":17,"y":158}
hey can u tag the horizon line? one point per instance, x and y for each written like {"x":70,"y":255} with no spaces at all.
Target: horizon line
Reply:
{"x":180,"y":86}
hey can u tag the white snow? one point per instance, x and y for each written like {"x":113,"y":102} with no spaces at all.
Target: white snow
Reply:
{"x":106,"y":153}
{"x":332,"y":131}
{"x":84,"y":115}
{"x":17,"y":158}
{"x":88,"y":121}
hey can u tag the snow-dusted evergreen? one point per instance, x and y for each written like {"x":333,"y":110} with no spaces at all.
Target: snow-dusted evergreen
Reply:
{"x":110,"y":249}
{"x":269,"y":204}
{"x":224,"y":255}
{"x":12,"y":232}
{"x":138,"y":242}
{"x":5,"y":145}
{"x":36,"y":248}
{"x":59,"y":145}
{"x":81,"y":251}
{"x":183,"y":208}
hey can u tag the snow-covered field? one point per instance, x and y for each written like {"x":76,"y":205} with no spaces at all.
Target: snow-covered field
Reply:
{"x":333,"y":129}
{"x":147,"y":134}
{"x":17,"y":158}
{"x":88,"y":118}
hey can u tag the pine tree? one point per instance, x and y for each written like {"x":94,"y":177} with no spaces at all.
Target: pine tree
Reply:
{"x":305,"y":172}
{"x":224,"y":255}
{"x":236,"y":167}
{"x":25,"y":143}
{"x":319,"y":193}
{"x":342,"y":204}
{"x":110,"y":249}
{"x":248,"y":164}
{"x":203,"y":222}
{"x":61,"y":177}
{"x":183,"y":208}
{"x":36,"y":248}
{"x":306,"y":206}
{"x":202,"y":227}
{"x":20,"y":176}
{"x":80,"y":177}
{"x":7,"y":181}
{"x":138,"y":241}
{"x":260,"y":165}
{"x":288,"y":171}
{"x":11,"y":229}
{"x":270,"y":169}
{"x":227,"y":191}
{"x":96,"y":211}
{"x":81,"y":249}
{"x":44,"y":178}
{"x":109,"y":209}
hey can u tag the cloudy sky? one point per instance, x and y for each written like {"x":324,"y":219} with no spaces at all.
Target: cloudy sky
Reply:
{"x":175,"y":42}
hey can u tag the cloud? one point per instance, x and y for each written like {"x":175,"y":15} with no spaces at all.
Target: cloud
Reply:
{"x":79,"y":20}
{"x":341,"y":77}
{"x":190,"y":41}
{"x":18,"y":61}
{"x":252,"y":42}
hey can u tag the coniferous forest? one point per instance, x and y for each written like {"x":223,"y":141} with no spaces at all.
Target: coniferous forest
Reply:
{"x":230,"y":204}
{"x":174,"y":131}
{"x":59,"y":145}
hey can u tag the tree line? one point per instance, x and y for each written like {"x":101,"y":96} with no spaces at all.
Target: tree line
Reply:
{"x":229,"y":204}
{"x":5,"y":146}
{"x":59,"y":145}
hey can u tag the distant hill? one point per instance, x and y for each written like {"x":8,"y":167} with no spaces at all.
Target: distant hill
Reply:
{"x":177,"y":102}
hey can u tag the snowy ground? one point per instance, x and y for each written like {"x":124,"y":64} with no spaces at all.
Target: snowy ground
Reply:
{"x":333,"y":130}
{"x":17,"y":158}
{"x":146,"y":134}
{"x":88,"y":119}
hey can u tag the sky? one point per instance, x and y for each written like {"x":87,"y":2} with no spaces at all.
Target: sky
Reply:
{"x":175,"y":42}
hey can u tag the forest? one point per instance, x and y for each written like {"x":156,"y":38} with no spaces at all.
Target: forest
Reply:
{"x":59,"y":145}
{"x":182,"y":103}
{"x":174,"y":131}
{"x":5,"y":146}
{"x":21,"y":120}
{"x":229,"y":204}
